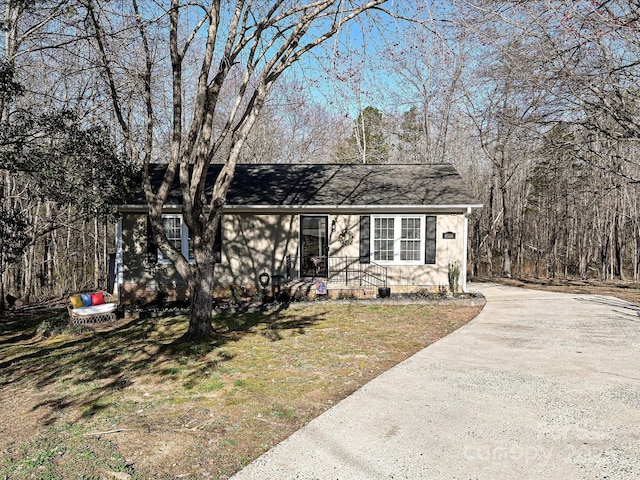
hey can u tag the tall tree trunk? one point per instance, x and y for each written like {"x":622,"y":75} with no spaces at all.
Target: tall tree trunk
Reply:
{"x":506,"y":262}
{"x":28,"y":274}
{"x":475,"y":267}
{"x":105,"y":256}
{"x":54,"y":273}
{"x":635,"y":256}
{"x":83,"y":266}
{"x":50,"y":252}
{"x":49,"y":247}
{"x":3,"y":306}
{"x":96,"y":254}
{"x":506,"y":231}
{"x":604,"y":254}
{"x":201,"y":290}
{"x":70,"y":266}
{"x":618,"y":238}
{"x":553,"y":267}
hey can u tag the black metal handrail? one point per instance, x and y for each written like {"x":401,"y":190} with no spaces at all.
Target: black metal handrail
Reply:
{"x":349,"y":271}
{"x":344,"y":270}
{"x":375,"y":274}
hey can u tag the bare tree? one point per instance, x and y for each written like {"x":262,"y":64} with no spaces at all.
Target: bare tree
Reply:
{"x":47,"y":129}
{"x":243,"y":49}
{"x":427,"y":61}
{"x":294,"y":127}
{"x":571,"y":73}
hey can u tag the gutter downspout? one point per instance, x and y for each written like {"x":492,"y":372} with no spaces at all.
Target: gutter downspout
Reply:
{"x":465,"y":242}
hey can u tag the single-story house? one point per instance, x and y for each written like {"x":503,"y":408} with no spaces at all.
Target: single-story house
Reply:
{"x":340,"y":227}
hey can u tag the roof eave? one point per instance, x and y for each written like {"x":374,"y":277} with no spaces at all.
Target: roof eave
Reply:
{"x":265,"y":209}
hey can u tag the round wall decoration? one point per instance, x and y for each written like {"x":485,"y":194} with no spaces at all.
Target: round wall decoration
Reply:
{"x":345,"y":237}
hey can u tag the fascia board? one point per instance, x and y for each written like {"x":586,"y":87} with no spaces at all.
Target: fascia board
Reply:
{"x":135,"y":208}
{"x":264,"y":209}
{"x":462,"y":208}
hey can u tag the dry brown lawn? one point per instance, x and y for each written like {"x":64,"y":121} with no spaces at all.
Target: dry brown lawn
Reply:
{"x":128,"y":401}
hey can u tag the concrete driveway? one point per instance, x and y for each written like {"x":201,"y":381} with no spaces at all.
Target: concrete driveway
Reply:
{"x":539,"y":386}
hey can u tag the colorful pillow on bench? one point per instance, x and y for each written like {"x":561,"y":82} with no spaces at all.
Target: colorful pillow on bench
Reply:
{"x":76,"y":301}
{"x":86,"y":299}
{"x":97,"y":298}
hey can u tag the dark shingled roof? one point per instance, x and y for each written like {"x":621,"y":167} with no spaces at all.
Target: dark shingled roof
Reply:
{"x":337,"y":185}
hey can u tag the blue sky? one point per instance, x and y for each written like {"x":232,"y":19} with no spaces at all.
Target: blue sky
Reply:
{"x":353,"y":70}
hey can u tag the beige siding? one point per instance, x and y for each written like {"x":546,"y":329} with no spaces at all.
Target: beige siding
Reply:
{"x":142,"y":277}
{"x":447,"y":251}
{"x":351,"y":223}
{"x":431,"y":276}
{"x":252,"y":244}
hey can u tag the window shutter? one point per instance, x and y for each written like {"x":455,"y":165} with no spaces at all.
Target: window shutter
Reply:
{"x":430,"y":240}
{"x":217,"y":244}
{"x":365,"y":243}
{"x":152,"y":246}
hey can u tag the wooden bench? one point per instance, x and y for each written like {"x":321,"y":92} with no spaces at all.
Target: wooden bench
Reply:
{"x":92,"y":308}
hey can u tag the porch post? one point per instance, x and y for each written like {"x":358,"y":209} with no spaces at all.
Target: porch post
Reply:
{"x":119,"y":274}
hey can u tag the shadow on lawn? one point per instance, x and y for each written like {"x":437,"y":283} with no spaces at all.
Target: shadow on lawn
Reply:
{"x":80,"y":372}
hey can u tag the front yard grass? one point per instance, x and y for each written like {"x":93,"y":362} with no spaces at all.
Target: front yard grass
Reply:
{"x":127,"y":401}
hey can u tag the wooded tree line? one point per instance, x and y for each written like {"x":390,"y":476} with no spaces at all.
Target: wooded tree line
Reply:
{"x":535,"y":103}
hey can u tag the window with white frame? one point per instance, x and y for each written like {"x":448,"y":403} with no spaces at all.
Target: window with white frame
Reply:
{"x":178,"y":235}
{"x":383,"y":239}
{"x":398,"y":239}
{"x":411,"y":239}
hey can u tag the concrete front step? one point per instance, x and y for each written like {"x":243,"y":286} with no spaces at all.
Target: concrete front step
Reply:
{"x":303,"y":288}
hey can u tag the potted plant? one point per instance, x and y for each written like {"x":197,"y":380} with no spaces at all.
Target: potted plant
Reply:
{"x":384,"y":292}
